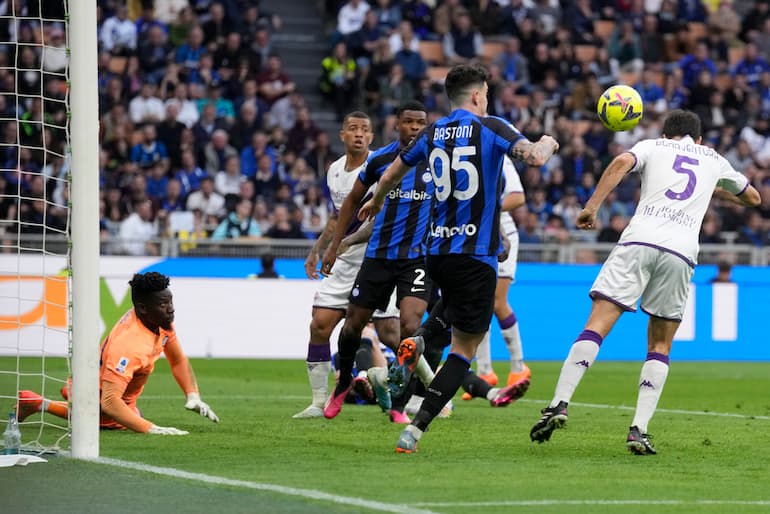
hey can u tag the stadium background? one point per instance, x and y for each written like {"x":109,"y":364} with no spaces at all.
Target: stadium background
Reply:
{"x":250,"y":94}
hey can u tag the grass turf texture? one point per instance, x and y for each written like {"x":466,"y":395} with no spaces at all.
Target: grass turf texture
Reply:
{"x":479,"y":459}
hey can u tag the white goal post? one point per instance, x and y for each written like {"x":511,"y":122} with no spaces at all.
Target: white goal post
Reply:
{"x":84,"y":147}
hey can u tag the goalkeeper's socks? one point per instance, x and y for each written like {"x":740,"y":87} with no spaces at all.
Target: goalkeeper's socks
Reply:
{"x":60,"y":409}
{"x":444,"y":386}
{"x":581,"y":356}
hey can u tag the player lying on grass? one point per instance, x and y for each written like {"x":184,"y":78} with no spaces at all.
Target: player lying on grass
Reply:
{"x":653,"y":261}
{"x":128,"y":357}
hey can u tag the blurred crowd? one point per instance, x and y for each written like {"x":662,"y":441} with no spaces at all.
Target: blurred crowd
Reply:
{"x":204,"y":135}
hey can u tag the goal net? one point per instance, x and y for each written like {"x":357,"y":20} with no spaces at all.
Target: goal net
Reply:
{"x":35,"y":214}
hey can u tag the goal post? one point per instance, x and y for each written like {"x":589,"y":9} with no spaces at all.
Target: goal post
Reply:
{"x":84,"y":151}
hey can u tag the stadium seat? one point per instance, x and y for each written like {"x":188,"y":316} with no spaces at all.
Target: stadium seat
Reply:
{"x":491,"y":50}
{"x":604,"y":29}
{"x":585,"y":53}
{"x":438,"y":73}
{"x":432,"y":53}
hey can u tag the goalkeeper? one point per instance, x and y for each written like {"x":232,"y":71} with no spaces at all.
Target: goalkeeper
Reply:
{"x":128,"y":357}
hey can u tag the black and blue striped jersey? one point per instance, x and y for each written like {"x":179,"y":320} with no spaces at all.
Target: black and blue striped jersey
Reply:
{"x":400,"y":227}
{"x":465,"y":156}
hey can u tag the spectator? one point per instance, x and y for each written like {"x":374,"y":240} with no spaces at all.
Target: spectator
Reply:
{"x":529,"y":230}
{"x":404,"y":37}
{"x":154,"y":54}
{"x":173,"y":200}
{"x":249,"y":122}
{"x":395,"y":90}
{"x":190,"y":174}
{"x":188,"y":55}
{"x":251,"y":154}
{"x":444,"y":15}
{"x":612,"y":232}
{"x":283,"y":227}
{"x":420,"y":15}
{"x":210,"y":202}
{"x":412,"y":63}
{"x":150,"y":151}
{"x":463,"y":42}
{"x":513,"y":65}
{"x":651,"y":93}
{"x":266,"y":181}
{"x":157,"y":183}
{"x":217,"y":151}
{"x":539,"y":205}
{"x":625,"y":50}
{"x":215,"y":29}
{"x":302,"y":135}
{"x":170,"y":133}
{"x":262,"y":47}
{"x":207,"y":125}
{"x":146,"y":108}
{"x":577,"y":161}
{"x":582,"y":18}
{"x":351,"y":17}
{"x":752,"y":66}
{"x":138,"y":231}
{"x":274,"y":88}
{"x":55,"y":57}
{"x":724,"y":270}
{"x":693,"y":64}
{"x":118,"y":33}
{"x":651,"y":41}
{"x":752,"y":233}
{"x":238,"y":224}
{"x":228,"y":181}
{"x":363,"y":41}
{"x":188,"y":110}
{"x":692,"y":10}
{"x":268,"y":267}
{"x":338,"y":79}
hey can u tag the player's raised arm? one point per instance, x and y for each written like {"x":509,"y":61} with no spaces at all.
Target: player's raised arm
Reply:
{"x":535,"y":153}
{"x":344,"y":218}
{"x":749,"y":197}
{"x":616,"y":170}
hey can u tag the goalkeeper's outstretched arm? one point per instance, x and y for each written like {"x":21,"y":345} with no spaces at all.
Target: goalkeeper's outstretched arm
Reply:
{"x":185,"y":377}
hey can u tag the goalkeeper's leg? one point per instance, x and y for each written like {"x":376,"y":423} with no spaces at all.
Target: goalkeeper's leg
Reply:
{"x":31,"y":403}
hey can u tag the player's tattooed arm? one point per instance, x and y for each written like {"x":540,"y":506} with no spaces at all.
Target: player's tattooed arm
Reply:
{"x":326,"y":236}
{"x":537,"y":153}
{"x":359,"y":236}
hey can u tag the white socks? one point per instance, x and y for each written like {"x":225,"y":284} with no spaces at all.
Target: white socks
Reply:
{"x":484,"y":357}
{"x":651,"y":382}
{"x":423,"y":371}
{"x":318,"y":374}
{"x":512,"y":339}
{"x":581,"y":356}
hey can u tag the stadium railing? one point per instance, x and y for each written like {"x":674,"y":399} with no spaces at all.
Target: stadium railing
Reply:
{"x":573,"y":252}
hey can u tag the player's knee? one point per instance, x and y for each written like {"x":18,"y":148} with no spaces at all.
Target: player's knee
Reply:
{"x":320,"y":330}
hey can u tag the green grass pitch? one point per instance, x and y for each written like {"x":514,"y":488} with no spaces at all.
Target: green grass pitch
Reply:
{"x":710,"y":431}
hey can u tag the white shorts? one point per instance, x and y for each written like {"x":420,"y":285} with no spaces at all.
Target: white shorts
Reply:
{"x":507,"y":268}
{"x":661,"y":279}
{"x":334,"y":290}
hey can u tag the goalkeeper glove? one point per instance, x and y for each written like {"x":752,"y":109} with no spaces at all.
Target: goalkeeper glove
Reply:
{"x":194,"y":403}
{"x":156,"y":430}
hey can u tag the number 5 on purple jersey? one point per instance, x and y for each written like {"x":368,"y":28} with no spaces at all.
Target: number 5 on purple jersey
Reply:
{"x":679,"y":167}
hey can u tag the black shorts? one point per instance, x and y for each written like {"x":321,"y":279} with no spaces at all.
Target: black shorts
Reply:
{"x":467,"y":289}
{"x":377,"y":278}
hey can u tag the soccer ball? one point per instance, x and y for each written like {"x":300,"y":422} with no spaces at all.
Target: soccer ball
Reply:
{"x":620,"y":108}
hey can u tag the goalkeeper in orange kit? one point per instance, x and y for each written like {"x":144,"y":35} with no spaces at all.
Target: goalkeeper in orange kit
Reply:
{"x":128,"y":357}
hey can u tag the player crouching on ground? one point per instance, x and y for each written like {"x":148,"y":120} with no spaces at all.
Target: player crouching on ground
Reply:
{"x":128,"y":357}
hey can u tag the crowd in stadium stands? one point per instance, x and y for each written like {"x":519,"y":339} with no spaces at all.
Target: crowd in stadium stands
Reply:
{"x":203,"y":134}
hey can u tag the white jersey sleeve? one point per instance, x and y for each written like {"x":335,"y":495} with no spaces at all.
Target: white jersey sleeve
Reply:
{"x":512,"y":185}
{"x":678,"y":178}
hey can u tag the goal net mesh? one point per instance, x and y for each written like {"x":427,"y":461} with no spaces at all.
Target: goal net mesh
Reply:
{"x":35,"y":341}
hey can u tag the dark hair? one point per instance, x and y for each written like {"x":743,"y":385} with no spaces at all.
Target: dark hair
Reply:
{"x":145,"y":284}
{"x":410,"y":105}
{"x":355,"y":114}
{"x":681,"y":123}
{"x":461,"y":77}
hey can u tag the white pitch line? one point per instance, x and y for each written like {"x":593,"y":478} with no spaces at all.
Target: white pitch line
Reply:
{"x":527,"y":400}
{"x":289,"y":491}
{"x":530,"y":503}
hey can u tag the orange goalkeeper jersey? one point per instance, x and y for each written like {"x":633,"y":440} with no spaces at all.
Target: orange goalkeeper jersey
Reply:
{"x":129,"y":354}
